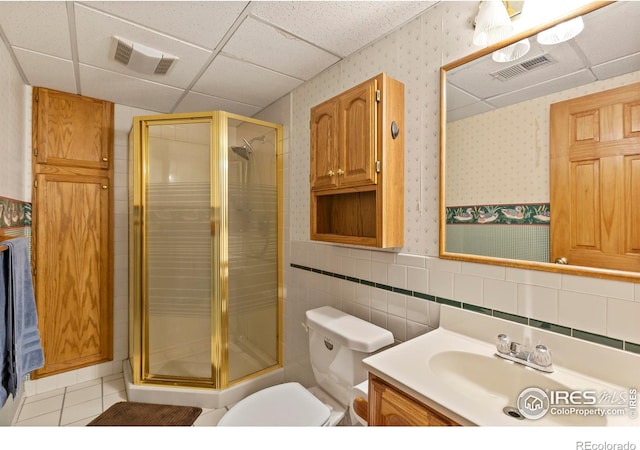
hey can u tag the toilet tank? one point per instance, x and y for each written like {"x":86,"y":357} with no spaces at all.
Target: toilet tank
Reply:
{"x":338,"y":342}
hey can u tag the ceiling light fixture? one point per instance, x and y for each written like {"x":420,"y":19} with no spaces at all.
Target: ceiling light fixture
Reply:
{"x":141,"y":58}
{"x":512,"y":52}
{"x":561,"y":32}
{"x":492,"y":23}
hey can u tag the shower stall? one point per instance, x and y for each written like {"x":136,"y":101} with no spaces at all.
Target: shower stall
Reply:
{"x":205,"y":309}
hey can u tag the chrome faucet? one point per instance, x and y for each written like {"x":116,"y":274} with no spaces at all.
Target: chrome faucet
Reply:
{"x":539,"y":358}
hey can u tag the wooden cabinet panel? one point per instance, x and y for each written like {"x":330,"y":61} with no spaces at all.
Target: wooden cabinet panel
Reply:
{"x":357,"y":166}
{"x":358,"y":135}
{"x":72,"y":130}
{"x":389,"y":406}
{"x":324,"y":145}
{"x":72,"y":270}
{"x":72,"y":229}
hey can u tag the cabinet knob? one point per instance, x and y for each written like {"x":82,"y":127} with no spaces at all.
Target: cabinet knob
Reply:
{"x":331,"y":173}
{"x":561,"y":260}
{"x":105,"y":159}
{"x":340,"y":172}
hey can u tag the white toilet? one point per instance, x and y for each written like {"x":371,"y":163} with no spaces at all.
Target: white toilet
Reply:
{"x":338,"y":342}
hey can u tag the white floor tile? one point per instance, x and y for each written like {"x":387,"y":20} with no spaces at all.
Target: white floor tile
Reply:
{"x":82,"y":395}
{"x":51,"y":419}
{"x":40,"y":407}
{"x":44,"y":395}
{"x":81,"y":411}
{"x":113,"y":386}
{"x":112,"y":399}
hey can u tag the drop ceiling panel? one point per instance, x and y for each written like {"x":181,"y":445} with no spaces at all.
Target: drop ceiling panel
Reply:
{"x":619,"y":40}
{"x":338,"y":27}
{"x":201,"y":23}
{"x":549,"y":87}
{"x":244,"y":82}
{"x":477,"y":79}
{"x":95,"y":32}
{"x":38,"y":26}
{"x":457,"y":98}
{"x":47,"y":71}
{"x":469,"y":110}
{"x":274,"y":49}
{"x":618,"y":67}
{"x":200,"y":102}
{"x":126,"y":90}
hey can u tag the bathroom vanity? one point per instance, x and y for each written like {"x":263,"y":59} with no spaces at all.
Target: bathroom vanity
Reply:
{"x":452,"y":376}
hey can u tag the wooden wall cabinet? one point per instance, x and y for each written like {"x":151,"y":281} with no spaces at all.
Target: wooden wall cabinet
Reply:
{"x":72,"y":221}
{"x":357,"y":165}
{"x":388,"y":406}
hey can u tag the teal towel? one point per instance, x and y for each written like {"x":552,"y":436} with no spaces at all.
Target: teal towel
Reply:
{"x":21,"y":323}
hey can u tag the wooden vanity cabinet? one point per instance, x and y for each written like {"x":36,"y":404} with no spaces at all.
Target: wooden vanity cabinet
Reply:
{"x":357,"y":165}
{"x":388,"y":406}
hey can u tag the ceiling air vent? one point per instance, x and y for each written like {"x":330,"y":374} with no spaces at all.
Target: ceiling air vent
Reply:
{"x":523,"y":67}
{"x":141,"y":58}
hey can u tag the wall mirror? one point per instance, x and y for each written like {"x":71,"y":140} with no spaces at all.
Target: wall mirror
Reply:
{"x":495,"y":194}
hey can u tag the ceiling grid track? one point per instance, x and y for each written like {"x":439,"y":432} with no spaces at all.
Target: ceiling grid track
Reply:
{"x":71,"y":16}
{"x":216,"y":51}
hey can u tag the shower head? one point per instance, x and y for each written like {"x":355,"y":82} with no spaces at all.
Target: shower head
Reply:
{"x":247,"y":148}
{"x":242,"y":152}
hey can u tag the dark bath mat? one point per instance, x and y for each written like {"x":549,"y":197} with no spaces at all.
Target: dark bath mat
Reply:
{"x":146,"y":414}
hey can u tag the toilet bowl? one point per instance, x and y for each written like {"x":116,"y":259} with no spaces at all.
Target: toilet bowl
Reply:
{"x":337,"y":344}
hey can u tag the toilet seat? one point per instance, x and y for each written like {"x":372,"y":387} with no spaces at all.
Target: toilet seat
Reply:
{"x":288,"y":404}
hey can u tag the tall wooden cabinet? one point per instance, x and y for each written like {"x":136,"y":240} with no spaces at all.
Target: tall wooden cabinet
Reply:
{"x":357,"y":165}
{"x":72,"y":229}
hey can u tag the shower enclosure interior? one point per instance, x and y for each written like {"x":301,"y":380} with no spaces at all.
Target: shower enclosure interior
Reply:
{"x":205,"y":264}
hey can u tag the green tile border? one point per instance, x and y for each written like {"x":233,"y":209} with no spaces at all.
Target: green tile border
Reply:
{"x":478,"y":309}
{"x":598,"y":339}
{"x":550,"y":327}
{"x":554,"y":328}
{"x":631,"y":347}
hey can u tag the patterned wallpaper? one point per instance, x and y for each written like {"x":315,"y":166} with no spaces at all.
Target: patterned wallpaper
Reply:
{"x":15,"y":131}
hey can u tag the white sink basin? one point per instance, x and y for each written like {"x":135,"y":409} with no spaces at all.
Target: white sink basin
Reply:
{"x":503,"y":381}
{"x":460,"y":375}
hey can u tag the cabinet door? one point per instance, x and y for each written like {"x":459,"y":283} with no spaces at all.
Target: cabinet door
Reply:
{"x":72,"y":281}
{"x":71,"y":130}
{"x":357,"y":143}
{"x":324,"y":141}
{"x":390,"y":407}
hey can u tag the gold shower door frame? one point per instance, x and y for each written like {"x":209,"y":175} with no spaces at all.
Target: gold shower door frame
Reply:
{"x":138,"y":283}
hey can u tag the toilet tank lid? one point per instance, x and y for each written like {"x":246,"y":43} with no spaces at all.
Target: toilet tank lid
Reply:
{"x":354,"y":333}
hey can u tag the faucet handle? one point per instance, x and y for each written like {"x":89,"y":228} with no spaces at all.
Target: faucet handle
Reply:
{"x":502,"y":343}
{"x":542,"y":356}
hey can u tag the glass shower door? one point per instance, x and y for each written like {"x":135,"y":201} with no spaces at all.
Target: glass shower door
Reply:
{"x":252,"y":311}
{"x":178,"y":250}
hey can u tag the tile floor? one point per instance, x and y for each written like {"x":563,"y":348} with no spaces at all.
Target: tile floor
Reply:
{"x":78,"y":405}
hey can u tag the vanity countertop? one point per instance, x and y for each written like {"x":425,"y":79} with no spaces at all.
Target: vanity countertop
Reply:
{"x":460,"y":376}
